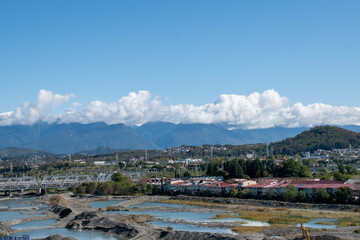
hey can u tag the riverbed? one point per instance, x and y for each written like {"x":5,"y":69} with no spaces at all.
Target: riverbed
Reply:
{"x":33,"y":217}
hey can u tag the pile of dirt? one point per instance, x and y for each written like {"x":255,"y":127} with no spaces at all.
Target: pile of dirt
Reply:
{"x":56,"y":237}
{"x":93,"y":221}
{"x":61,"y":210}
{"x":171,"y":235}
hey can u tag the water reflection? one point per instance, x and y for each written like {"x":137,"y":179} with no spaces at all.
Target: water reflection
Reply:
{"x":317,"y":223}
{"x":80,"y":235}
{"x":105,"y":204}
{"x":6,"y":216}
{"x":191,"y":227}
{"x":34,"y":224}
{"x":168,"y":205}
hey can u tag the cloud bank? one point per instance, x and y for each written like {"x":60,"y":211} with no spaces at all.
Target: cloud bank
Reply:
{"x":258,"y":110}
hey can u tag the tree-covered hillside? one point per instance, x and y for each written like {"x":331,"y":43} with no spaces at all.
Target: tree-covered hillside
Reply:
{"x":16,"y":152}
{"x":321,"y":137}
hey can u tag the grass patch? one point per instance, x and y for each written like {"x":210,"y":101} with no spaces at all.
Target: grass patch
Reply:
{"x":224,"y":216}
{"x":274,"y":217}
{"x":277,"y":216}
{"x":346,"y":222}
{"x":111,"y":209}
{"x":102,"y":199}
{"x":194,"y":203}
{"x":243,"y":229}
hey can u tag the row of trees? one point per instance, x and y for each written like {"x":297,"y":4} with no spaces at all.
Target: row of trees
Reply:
{"x":119,"y":185}
{"x":343,"y":195}
{"x":240,"y":168}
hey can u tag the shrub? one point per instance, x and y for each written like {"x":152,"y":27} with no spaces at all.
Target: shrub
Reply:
{"x":233,"y":192}
{"x":246,"y":193}
{"x":290,"y":194}
{"x":57,"y":199}
{"x":322,"y":196}
{"x":344,"y":195}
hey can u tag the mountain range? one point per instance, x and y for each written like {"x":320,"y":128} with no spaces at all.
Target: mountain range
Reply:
{"x":76,"y":137}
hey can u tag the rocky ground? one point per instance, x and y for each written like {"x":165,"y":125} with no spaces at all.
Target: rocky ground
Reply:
{"x":76,"y":214}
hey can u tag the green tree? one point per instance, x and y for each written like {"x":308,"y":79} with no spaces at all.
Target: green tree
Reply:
{"x":212,"y":168}
{"x":255,"y":168}
{"x":290,"y":193}
{"x":141,"y":184}
{"x":246,"y":193}
{"x":339,"y":176}
{"x":155,"y":191}
{"x":122,"y":188}
{"x":106,"y":188}
{"x":322,"y":196}
{"x":305,"y":172}
{"x":233,"y":192}
{"x":187,"y":174}
{"x":118,"y":177}
{"x":352,"y":170}
{"x":293,"y":168}
{"x":344,"y":195}
{"x":149,"y":189}
{"x":238,"y":171}
{"x":290,"y":168}
{"x":301,"y":196}
{"x":270,"y":194}
{"x":341,"y":168}
{"x":81,"y":189}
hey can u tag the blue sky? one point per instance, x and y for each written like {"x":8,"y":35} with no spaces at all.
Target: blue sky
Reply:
{"x":186,"y":52}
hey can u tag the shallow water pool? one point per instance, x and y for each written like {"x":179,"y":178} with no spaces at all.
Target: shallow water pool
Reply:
{"x":80,"y":235}
{"x":315,"y":223}
{"x":6,"y":216}
{"x":34,"y":224}
{"x":168,"y":205}
{"x":22,"y":203}
{"x":104,"y":204}
{"x":190,"y":227}
{"x":192,"y":217}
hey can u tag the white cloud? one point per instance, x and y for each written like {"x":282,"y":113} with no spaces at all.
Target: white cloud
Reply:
{"x":29,"y":113}
{"x":258,"y":110}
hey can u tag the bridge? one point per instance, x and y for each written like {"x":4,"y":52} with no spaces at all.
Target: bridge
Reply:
{"x":8,"y":185}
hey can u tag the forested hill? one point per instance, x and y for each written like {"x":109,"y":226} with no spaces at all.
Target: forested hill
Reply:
{"x":16,"y":152}
{"x":321,"y":137}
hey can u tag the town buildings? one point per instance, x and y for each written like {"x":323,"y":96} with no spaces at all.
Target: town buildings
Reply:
{"x":259,"y":187}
